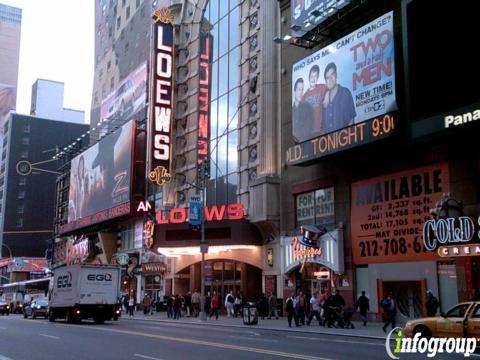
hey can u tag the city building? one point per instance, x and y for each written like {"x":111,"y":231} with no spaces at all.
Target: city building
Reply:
{"x":10,"y":28}
{"x":222,"y":59}
{"x":47,"y":103}
{"x":27,"y":181}
{"x":375,"y":150}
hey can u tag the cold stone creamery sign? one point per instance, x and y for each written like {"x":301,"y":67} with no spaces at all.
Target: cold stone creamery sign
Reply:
{"x":388,"y":213}
{"x":451,"y":231}
{"x":162,"y":94}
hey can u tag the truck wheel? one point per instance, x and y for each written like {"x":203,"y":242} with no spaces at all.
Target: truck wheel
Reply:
{"x":423,"y":331}
{"x":51,"y":318}
{"x":34,"y":316}
{"x":25,"y":315}
{"x":69,"y":317}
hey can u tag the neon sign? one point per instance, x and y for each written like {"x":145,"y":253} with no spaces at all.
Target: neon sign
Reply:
{"x":211,"y":213}
{"x":300,"y":251}
{"x":204,"y":98}
{"x":162,"y":93}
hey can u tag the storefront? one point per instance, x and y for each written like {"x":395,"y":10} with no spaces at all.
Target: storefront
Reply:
{"x":311,"y":269}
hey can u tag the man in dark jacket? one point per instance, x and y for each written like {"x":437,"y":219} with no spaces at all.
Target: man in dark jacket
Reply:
{"x":432,"y":304}
{"x":290,"y":309}
{"x":363,"y":305}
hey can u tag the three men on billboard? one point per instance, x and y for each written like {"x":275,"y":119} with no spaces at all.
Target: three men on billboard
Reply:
{"x":302,"y":114}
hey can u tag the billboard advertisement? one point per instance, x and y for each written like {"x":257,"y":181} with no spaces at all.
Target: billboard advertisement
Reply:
{"x":206,"y":46}
{"x":388,"y":213}
{"x":346,"y":83}
{"x":100,"y":179}
{"x":162,"y":93}
{"x":127,"y":99}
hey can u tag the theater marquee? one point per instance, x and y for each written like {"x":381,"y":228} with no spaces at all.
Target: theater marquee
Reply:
{"x":162,"y":95}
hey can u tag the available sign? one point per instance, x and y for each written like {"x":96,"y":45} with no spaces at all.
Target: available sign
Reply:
{"x":388,"y":213}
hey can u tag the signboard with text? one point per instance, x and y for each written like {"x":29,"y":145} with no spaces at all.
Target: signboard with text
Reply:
{"x":162,"y":94}
{"x":316,"y":207}
{"x":388,"y":213}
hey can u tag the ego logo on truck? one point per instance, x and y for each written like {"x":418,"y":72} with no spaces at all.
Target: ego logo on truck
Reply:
{"x":64,"y":281}
{"x":99,"y":277}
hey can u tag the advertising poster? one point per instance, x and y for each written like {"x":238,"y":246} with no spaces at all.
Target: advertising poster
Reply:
{"x":127,"y":99}
{"x":101,"y":176}
{"x":346,"y":83}
{"x":388,"y":213}
{"x":316,"y":207}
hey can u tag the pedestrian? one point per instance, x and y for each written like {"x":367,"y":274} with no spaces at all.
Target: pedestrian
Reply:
{"x":229,"y":301}
{"x":177,"y":307}
{"x":432,"y":304}
{"x":131,"y":306}
{"x":214,"y":306}
{"x":152,"y":305}
{"x":290,"y":309}
{"x":125,"y":303}
{"x":314,"y":309}
{"x":263,"y":306}
{"x":363,"y":305}
{"x":146,"y":304}
{"x":196,"y":303}
{"x":238,"y":304}
{"x":476,"y":295}
{"x":272,"y":306}
{"x":301,"y":306}
{"x":170,"y":300}
{"x":188,"y":303}
{"x":390,"y":310}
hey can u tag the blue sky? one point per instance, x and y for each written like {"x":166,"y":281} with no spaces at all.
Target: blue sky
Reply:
{"x":57,"y":43}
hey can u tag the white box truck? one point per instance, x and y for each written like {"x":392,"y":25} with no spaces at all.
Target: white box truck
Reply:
{"x":85,"y":292}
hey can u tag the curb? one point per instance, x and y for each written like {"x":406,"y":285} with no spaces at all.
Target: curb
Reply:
{"x":353,"y":335}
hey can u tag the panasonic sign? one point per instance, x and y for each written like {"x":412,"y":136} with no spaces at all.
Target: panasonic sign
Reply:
{"x":456,"y":120}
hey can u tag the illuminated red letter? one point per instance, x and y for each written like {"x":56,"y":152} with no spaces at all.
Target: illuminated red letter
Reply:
{"x":214,"y":213}
{"x":159,"y":217}
{"x":178,"y":216}
{"x":235,"y":211}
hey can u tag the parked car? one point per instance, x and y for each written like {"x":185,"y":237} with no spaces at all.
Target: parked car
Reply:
{"x":36,"y":308}
{"x":462,"y":320}
{"x":4,"y":308}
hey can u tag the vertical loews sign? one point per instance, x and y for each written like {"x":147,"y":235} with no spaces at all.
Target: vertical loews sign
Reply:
{"x":204,"y":97}
{"x":161,"y":111}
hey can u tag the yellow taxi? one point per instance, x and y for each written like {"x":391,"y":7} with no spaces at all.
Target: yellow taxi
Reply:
{"x":462,"y":320}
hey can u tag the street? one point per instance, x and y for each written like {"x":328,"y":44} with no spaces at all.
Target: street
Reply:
{"x":137,"y":339}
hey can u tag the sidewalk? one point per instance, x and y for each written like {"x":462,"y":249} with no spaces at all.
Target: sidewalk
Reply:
{"x":373,"y":330}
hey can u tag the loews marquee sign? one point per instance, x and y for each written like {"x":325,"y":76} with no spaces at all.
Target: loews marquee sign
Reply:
{"x":162,"y":95}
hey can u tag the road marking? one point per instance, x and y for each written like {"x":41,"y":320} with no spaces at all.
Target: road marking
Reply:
{"x":49,"y":336}
{"x":3,"y":328}
{"x":214,"y":344}
{"x":338,"y":341}
{"x":146,"y":357}
{"x":4,"y":358}
{"x":252,"y":338}
{"x":159,"y":327}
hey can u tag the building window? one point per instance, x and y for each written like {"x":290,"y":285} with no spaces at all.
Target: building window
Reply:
{"x":124,"y":2}
{"x":20,"y":209}
{"x":19,"y":223}
{"x":137,"y":4}
{"x":112,"y":83}
{"x":126,"y":48}
{"x":22,"y":181}
{"x":224,"y":18}
{"x":24,"y":155}
{"x":21,"y":194}
{"x":26,"y":129}
{"x":128,"y":12}
{"x":25,"y":141}
{"x":315,"y":207}
{"x":119,"y":20}
{"x":109,"y":64}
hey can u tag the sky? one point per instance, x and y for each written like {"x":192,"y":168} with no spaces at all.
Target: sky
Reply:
{"x":57,"y":43}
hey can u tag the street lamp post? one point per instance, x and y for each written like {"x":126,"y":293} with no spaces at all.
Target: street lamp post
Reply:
{"x":204,"y":173}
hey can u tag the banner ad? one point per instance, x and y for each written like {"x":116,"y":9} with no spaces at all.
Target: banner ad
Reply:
{"x":388,"y":214}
